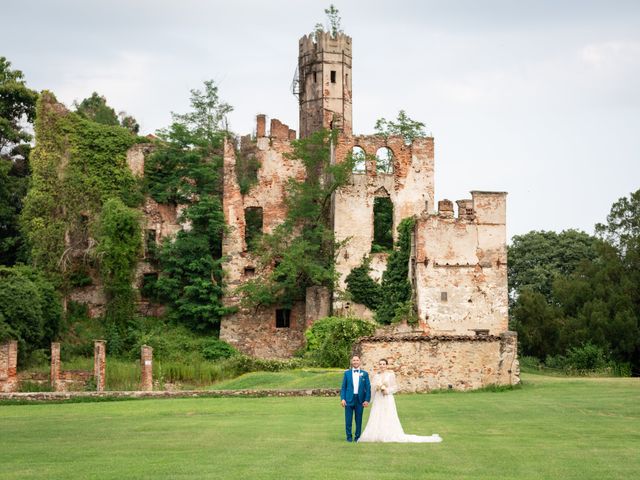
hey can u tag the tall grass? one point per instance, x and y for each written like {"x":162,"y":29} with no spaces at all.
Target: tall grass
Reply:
{"x":124,"y":374}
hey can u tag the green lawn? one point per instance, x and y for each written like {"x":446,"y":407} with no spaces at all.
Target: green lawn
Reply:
{"x":555,"y":428}
{"x":288,"y":380}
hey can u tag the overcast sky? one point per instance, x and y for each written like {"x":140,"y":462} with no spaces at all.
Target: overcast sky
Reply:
{"x":537,"y":98}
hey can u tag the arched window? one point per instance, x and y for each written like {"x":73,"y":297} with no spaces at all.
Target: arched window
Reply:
{"x":384,"y":160}
{"x":359,"y":159}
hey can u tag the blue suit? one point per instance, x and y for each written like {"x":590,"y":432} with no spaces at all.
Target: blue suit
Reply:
{"x":354,"y":401}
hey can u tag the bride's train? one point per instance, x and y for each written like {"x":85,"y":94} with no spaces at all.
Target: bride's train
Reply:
{"x":384,"y":424}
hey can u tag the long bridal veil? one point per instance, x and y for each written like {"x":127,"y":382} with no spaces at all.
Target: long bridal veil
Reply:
{"x":384,"y":424}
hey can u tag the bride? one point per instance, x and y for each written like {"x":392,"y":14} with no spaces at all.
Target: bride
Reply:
{"x":384,"y":424}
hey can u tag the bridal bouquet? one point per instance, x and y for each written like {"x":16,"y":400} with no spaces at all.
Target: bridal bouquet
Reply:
{"x":383,"y":388}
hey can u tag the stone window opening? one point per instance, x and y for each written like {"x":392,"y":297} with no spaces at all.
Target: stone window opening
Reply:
{"x":333,"y":76}
{"x":148,"y":287}
{"x":315,"y":77}
{"x":150,"y":244}
{"x":249,"y":271}
{"x":384,"y":160}
{"x":253,"y":224}
{"x":359,"y":160}
{"x":443,"y":296}
{"x":382,"y":225}
{"x":283,"y":318}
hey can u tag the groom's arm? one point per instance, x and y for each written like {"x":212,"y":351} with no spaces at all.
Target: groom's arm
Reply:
{"x":367,"y":391}
{"x":343,"y":389}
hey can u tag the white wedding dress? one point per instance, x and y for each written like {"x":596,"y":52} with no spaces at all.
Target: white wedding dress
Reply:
{"x":384,"y":424}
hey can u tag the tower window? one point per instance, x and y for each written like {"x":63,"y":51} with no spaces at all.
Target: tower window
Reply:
{"x":283,"y":318}
{"x":253,"y":225}
{"x":333,"y":76}
{"x":315,"y":77}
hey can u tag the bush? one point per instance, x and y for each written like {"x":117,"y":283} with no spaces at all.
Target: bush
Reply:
{"x":588,"y":357}
{"x":30,"y":310}
{"x":215,"y":349}
{"x":330,"y":340}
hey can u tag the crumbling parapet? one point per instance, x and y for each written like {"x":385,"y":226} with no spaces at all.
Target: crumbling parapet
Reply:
{"x":146,"y":367}
{"x":9,"y":366}
{"x":99,"y":364}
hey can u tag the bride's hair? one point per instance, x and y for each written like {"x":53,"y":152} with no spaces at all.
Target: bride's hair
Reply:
{"x":385,"y":361}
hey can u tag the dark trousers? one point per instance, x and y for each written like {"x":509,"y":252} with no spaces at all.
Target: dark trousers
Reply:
{"x":349,"y":410}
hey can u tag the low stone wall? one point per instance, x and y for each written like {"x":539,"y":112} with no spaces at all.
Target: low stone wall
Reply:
{"x":63,"y":396}
{"x":423,"y":363}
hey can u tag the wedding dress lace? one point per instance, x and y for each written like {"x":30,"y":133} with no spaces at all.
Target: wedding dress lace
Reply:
{"x":384,"y":424}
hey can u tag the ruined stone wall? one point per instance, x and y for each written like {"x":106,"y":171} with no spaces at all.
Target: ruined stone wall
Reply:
{"x":254,"y":332}
{"x":425,"y":363}
{"x":410,"y":188}
{"x":268,"y":193}
{"x":460,"y":267}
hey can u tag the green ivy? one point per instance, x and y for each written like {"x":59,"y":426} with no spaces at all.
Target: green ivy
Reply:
{"x":119,"y":245}
{"x":330,"y":339}
{"x":76,"y":166}
{"x":363,"y":288}
{"x":392,"y":299}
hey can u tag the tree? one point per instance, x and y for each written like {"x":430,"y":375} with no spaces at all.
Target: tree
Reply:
{"x":333,"y":22}
{"x":95,"y":108}
{"x":17,"y":105}
{"x":128,"y":122}
{"x":14,"y":179}
{"x":404,"y":126}
{"x":30,"y":310}
{"x":622,"y":229}
{"x":186,"y":169}
{"x":538,"y":257}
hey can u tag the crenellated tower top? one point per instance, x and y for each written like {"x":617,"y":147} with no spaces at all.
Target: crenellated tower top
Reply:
{"x":324,"y":76}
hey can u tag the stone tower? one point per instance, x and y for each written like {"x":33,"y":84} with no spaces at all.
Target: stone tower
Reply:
{"x":324,"y":76}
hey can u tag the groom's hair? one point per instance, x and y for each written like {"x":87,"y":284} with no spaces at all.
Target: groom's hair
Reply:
{"x":355,"y":356}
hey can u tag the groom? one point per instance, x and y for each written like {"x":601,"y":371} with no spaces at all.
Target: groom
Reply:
{"x":354,"y":395}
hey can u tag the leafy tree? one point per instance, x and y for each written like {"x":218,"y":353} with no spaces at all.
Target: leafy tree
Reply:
{"x":333,"y":22}
{"x":30,"y":310}
{"x":538,"y":257}
{"x":300,"y":252}
{"x":129,"y":122}
{"x":622,"y":229}
{"x":17,"y":104}
{"x":185,"y":169}
{"x":403,"y":126}
{"x":330,"y":339}
{"x":95,"y":108}
{"x":14,"y":179}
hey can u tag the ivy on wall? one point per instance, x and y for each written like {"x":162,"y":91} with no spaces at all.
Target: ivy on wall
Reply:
{"x":76,"y":166}
{"x":392,"y":298}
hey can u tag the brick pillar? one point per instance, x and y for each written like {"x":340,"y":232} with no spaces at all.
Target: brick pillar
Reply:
{"x":9,"y":366}
{"x":55,"y":366}
{"x":99,"y":363}
{"x":261,"y":125}
{"x":146,"y":364}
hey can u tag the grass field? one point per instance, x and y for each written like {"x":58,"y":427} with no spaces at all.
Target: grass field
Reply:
{"x":551,"y":428}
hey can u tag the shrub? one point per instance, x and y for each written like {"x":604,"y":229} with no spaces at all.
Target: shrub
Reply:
{"x":215,"y":349}
{"x":330,"y":339}
{"x":30,"y":310}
